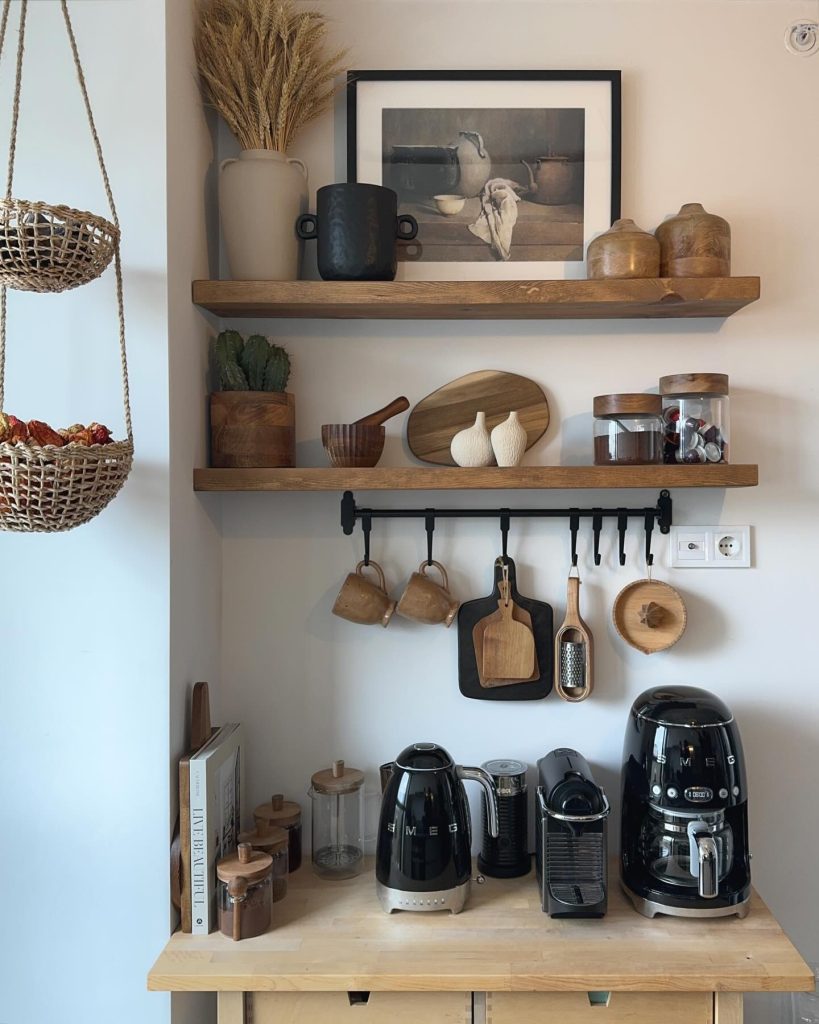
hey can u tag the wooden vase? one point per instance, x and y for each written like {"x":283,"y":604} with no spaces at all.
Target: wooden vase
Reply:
{"x":625,"y":250}
{"x":252,"y":429}
{"x":695,"y":243}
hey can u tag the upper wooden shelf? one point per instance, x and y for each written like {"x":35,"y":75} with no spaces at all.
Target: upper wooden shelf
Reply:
{"x":334,"y":936}
{"x":446,"y":478}
{"x":480,"y":300}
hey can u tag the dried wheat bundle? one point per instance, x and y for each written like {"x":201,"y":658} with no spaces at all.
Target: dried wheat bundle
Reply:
{"x":264,"y":67}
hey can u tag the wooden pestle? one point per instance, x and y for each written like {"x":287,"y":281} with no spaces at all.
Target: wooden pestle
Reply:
{"x":375,"y":419}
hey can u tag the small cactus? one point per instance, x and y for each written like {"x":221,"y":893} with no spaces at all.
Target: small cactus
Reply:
{"x":277,"y":371}
{"x":254,"y":365}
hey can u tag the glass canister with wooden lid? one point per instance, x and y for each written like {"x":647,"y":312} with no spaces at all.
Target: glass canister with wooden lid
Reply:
{"x":272,"y":840}
{"x":338,"y":805}
{"x":628,"y":430}
{"x":245,"y":892}
{"x":696,"y":411}
{"x":286,"y":814}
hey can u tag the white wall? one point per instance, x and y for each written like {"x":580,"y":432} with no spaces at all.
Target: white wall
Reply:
{"x":84,"y":632}
{"x":714,"y":109}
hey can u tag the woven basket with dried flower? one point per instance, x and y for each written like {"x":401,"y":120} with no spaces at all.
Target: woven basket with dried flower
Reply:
{"x":265,"y":66}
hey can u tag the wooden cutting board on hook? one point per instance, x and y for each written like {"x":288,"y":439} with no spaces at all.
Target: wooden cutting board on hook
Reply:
{"x":508,"y":645}
{"x":436,"y":419}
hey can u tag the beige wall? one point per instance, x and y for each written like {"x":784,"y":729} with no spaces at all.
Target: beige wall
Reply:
{"x":714,"y":109}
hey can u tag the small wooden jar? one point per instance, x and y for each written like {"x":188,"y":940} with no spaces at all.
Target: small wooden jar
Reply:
{"x":244,"y":896}
{"x":286,"y":814}
{"x":695,"y":243}
{"x":625,"y":250}
{"x":273,"y":841}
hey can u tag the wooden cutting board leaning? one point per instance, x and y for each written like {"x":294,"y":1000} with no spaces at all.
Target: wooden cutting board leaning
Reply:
{"x":436,"y":419}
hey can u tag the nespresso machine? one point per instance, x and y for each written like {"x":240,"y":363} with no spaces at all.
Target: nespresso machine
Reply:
{"x":684,"y":837}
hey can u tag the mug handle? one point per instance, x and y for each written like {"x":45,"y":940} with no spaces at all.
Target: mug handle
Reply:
{"x":373,"y":565}
{"x":301,"y":167}
{"x":303,"y":231}
{"x":408,"y":220}
{"x":426,"y":565}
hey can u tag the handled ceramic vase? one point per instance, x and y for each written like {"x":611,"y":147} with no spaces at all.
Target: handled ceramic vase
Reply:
{"x":261,"y":195}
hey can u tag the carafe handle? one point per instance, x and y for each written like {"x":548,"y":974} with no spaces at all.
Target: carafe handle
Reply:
{"x":703,"y":859}
{"x":484,"y":779}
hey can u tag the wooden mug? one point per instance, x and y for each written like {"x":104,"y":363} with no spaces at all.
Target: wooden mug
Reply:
{"x":362,"y":601}
{"x":426,"y":601}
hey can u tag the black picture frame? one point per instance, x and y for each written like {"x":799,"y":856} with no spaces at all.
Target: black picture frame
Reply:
{"x":613,"y":77}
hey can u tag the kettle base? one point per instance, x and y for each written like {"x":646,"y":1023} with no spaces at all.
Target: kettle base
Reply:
{"x":452,"y":900}
{"x":650,"y":908}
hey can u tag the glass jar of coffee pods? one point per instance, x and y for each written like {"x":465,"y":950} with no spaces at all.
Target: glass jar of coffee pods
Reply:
{"x":628,"y":430}
{"x":696,"y":413}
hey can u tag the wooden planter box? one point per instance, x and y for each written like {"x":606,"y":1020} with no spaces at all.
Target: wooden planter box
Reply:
{"x":252,"y":429}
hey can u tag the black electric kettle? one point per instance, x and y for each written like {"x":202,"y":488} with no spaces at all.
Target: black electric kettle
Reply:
{"x":424,"y":851}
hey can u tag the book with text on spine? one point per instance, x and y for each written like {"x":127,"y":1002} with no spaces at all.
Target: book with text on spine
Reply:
{"x":215,"y":816}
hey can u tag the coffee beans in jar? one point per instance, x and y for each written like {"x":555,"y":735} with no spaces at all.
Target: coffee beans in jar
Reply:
{"x":696,"y":420}
{"x":628,"y":430}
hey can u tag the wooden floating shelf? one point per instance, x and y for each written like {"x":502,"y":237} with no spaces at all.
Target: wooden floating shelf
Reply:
{"x":480,"y":300}
{"x":422,"y":478}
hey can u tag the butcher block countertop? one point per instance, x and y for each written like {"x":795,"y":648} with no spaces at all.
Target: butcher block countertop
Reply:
{"x":333,"y":936}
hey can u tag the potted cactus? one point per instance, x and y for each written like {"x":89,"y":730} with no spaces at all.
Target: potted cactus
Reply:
{"x":252,"y":417}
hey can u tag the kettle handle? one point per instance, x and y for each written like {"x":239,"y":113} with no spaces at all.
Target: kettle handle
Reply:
{"x":485,"y":779}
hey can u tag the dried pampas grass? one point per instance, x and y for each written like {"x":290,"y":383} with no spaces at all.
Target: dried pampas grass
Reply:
{"x":264,"y":67}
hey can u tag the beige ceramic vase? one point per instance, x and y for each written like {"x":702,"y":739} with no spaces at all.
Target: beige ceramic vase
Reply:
{"x":695,"y":243}
{"x":509,"y":441}
{"x":472,"y":447}
{"x":625,"y":250}
{"x":261,"y":195}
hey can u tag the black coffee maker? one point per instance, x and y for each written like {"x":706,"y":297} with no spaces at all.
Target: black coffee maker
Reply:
{"x":424,"y":849}
{"x":685,"y":806}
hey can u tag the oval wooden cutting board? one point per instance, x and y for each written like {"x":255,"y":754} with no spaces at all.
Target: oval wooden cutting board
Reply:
{"x":436,"y":419}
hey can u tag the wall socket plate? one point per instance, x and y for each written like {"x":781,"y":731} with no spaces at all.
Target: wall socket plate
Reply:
{"x":710,"y":547}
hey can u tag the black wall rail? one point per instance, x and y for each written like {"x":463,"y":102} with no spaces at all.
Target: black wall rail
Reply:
{"x":660,"y":515}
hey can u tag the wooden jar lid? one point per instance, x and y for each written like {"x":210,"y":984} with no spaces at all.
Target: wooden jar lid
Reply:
{"x":628,"y":405}
{"x":266,"y":837}
{"x":694,"y":384}
{"x":338,"y":779}
{"x":649,"y":615}
{"x":278,"y":811}
{"x":245,"y":863}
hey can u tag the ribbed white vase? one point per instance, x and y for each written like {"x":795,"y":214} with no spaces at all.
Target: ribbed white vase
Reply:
{"x":509,"y":441}
{"x":472,"y":447}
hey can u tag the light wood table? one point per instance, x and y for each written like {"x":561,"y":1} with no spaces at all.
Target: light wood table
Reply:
{"x":334,"y":955}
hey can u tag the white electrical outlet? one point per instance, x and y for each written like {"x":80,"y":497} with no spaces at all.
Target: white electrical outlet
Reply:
{"x":710,"y":547}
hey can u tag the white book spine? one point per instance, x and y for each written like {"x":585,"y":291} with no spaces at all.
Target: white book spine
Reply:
{"x":200,"y":897}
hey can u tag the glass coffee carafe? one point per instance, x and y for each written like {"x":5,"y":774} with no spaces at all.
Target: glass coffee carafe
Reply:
{"x":688,"y":848}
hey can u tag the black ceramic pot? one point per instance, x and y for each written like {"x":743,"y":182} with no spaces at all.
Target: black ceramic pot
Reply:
{"x":356,"y":226}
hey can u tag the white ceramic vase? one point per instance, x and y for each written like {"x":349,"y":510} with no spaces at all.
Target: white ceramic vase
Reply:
{"x":509,"y":441}
{"x":261,"y":195}
{"x":472,"y":447}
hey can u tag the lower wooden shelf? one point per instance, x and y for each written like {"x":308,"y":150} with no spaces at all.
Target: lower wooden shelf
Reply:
{"x":446,"y":478}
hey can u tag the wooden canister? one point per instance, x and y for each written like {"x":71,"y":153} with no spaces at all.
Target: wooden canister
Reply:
{"x":252,"y":429}
{"x":695,"y":243}
{"x":625,"y":250}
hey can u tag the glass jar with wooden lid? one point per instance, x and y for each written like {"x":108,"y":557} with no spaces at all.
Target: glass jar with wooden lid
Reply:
{"x":272,"y":840}
{"x":285,"y":814}
{"x":628,"y":430}
{"x":245,"y":892}
{"x":338,"y":805}
{"x":696,"y":411}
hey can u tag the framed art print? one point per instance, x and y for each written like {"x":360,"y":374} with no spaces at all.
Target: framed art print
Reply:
{"x":509,"y":174}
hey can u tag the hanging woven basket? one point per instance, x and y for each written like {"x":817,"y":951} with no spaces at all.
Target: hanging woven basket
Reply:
{"x":43,"y":248}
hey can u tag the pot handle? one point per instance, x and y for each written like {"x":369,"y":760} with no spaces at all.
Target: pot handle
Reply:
{"x":302,"y":229}
{"x":406,"y":219}
{"x":301,"y":166}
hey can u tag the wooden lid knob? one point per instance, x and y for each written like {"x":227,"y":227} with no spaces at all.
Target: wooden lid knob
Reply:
{"x":245,"y":852}
{"x":338,"y":769}
{"x":276,"y":801}
{"x":263,"y":827}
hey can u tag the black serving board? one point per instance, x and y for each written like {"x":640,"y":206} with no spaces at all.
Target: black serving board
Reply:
{"x":471,"y":612}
